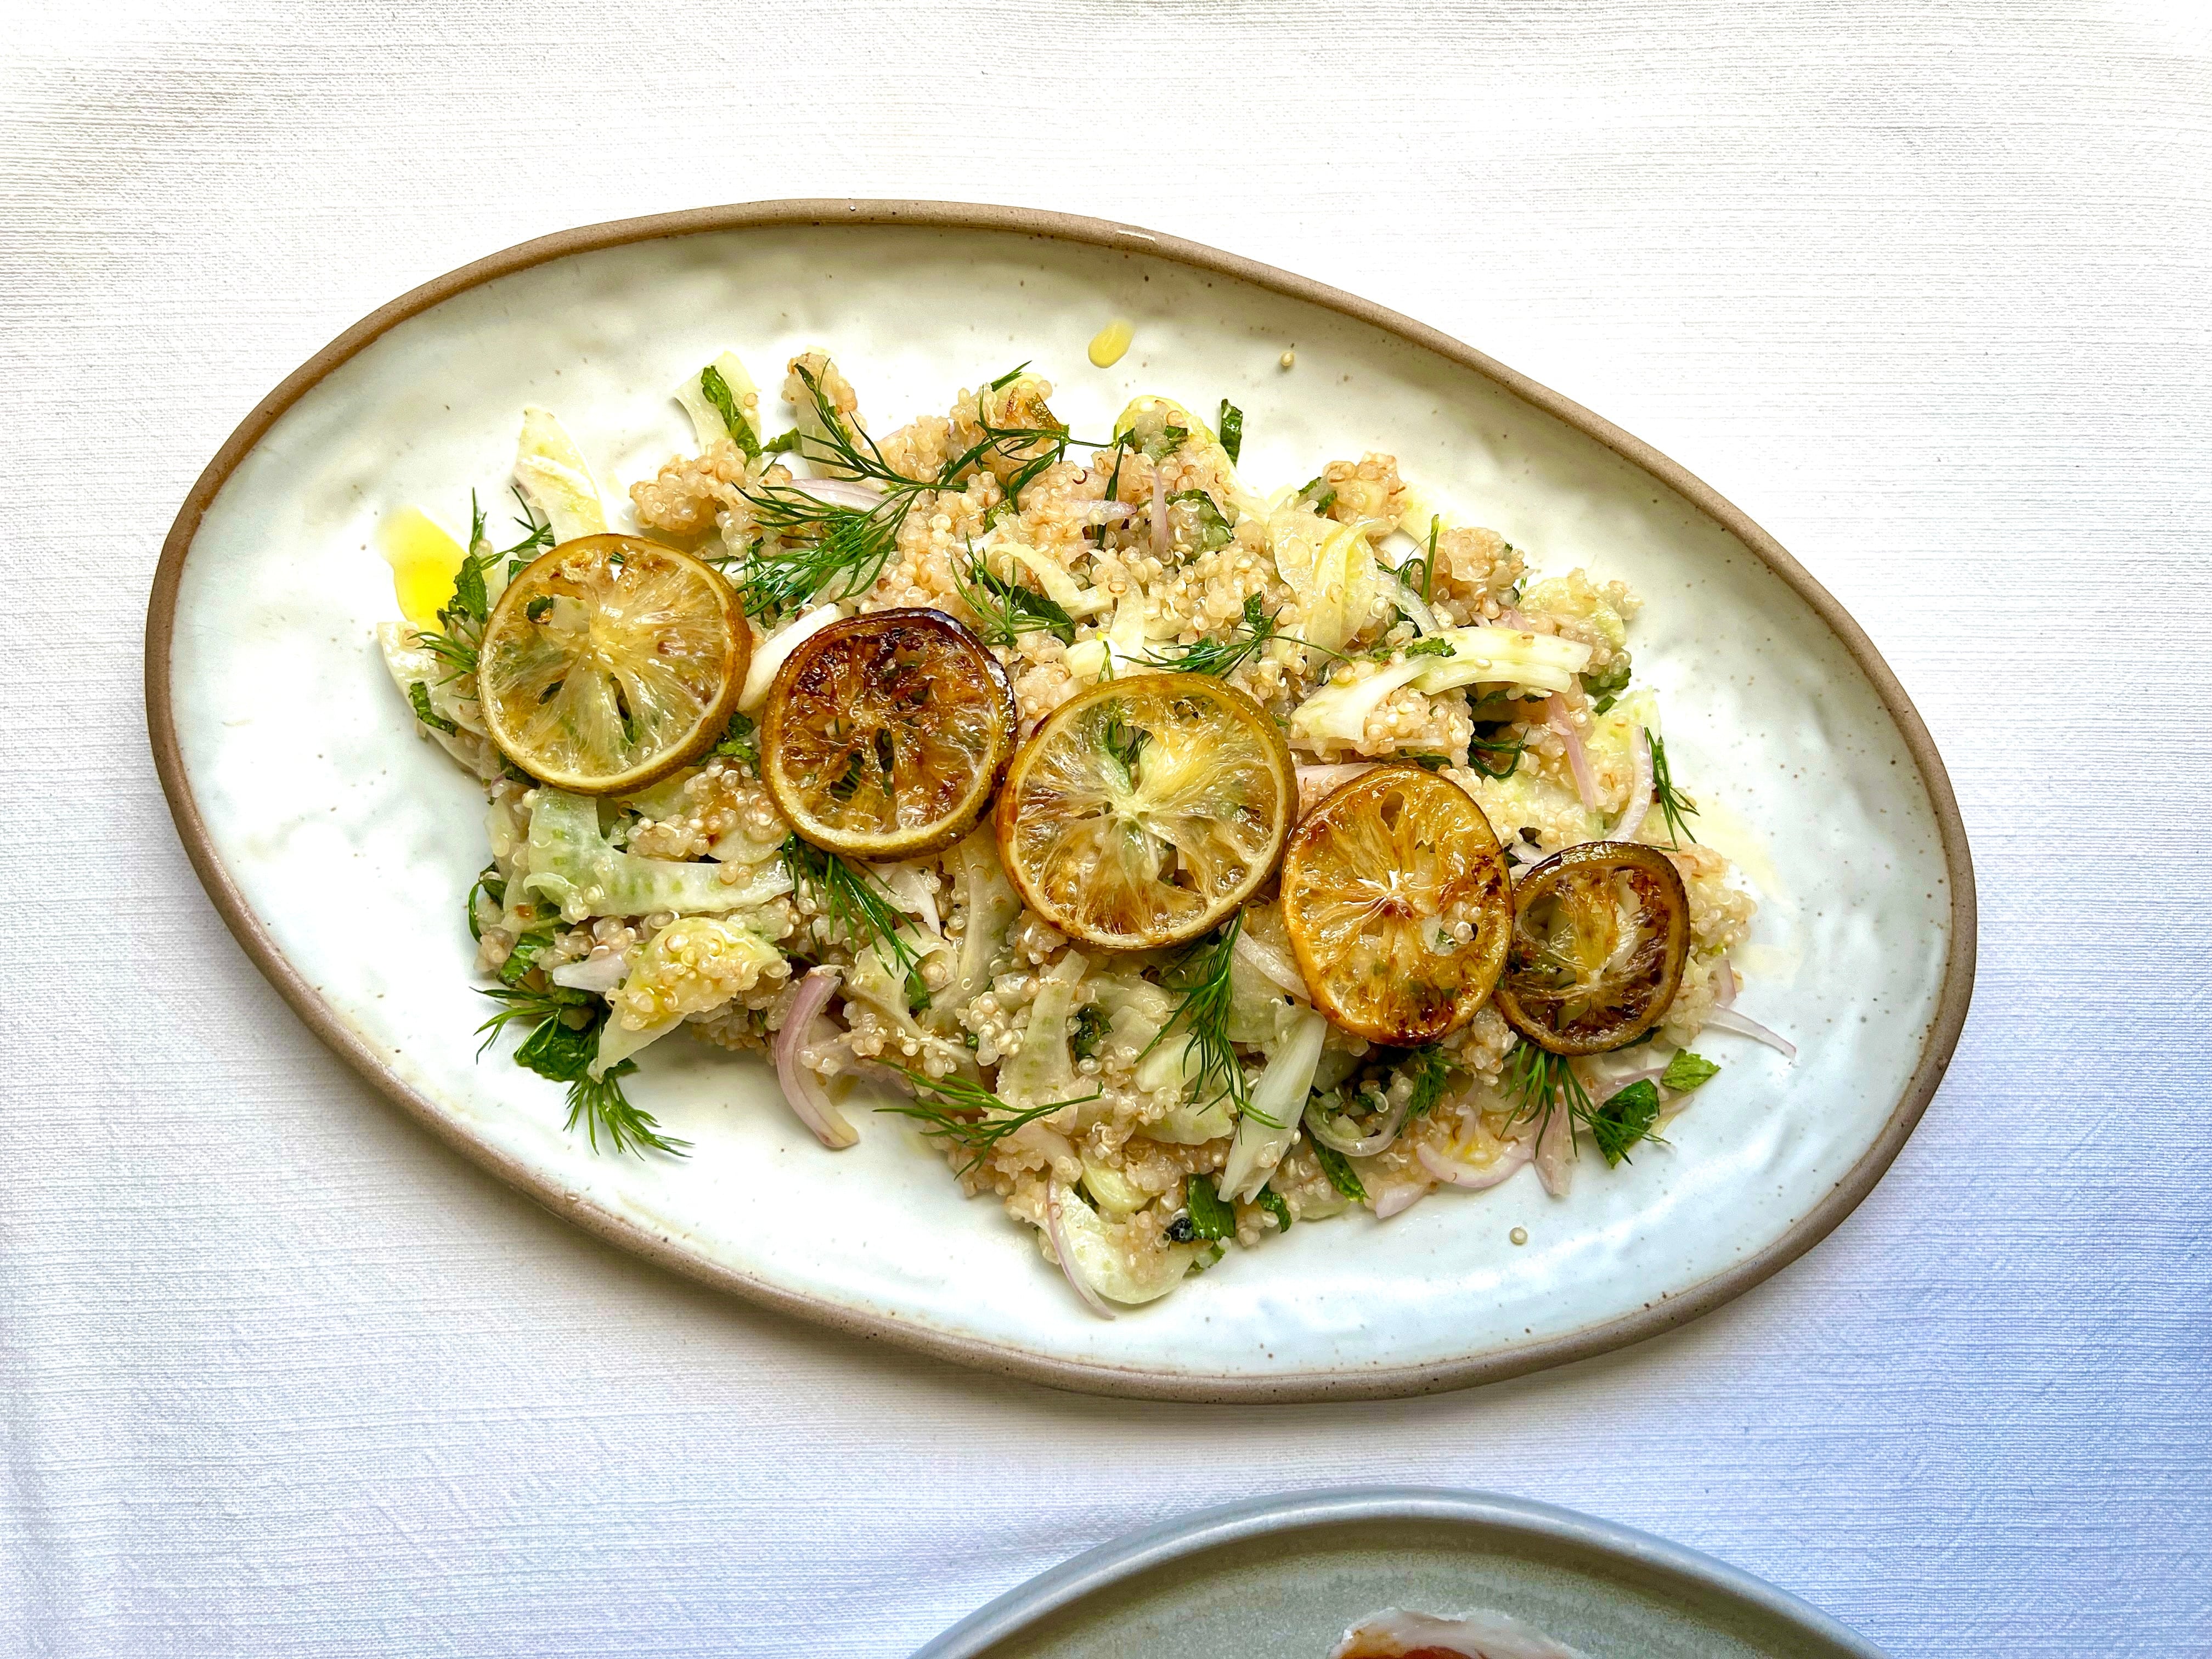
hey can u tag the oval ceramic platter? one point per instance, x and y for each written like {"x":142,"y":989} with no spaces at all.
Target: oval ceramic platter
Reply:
{"x":304,"y":795}
{"x":1286,"y":1577}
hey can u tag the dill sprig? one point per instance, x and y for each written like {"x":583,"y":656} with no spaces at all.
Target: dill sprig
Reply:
{"x":1430,"y":1069}
{"x":563,"y":1040}
{"x":1220,"y":657}
{"x":1541,"y":1083}
{"x":1005,"y":608}
{"x":1483,"y":752}
{"x":1674,"y":806}
{"x":1201,"y":979}
{"x":600,"y":1104}
{"x":968,"y":1115}
{"x":849,"y":546}
{"x":857,"y":906}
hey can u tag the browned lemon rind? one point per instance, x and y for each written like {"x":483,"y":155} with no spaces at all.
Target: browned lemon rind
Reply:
{"x":1143,"y":811}
{"x":886,"y":735}
{"x":1600,"y":933}
{"x":1398,"y":904}
{"x":610,"y":662}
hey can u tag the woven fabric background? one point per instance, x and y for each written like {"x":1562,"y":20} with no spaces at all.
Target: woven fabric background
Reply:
{"x":1924,"y":287}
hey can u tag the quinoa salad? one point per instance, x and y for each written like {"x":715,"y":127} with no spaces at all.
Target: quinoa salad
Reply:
{"x":1182,"y":858}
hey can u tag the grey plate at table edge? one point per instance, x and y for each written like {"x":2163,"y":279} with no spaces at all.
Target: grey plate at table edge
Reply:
{"x":1684,"y":1574}
{"x":1943,"y":1031}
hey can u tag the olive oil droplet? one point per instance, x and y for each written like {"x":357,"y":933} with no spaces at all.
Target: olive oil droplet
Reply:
{"x":1110,"y":342}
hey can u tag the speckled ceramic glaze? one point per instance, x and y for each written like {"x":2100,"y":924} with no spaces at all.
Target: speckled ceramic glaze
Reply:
{"x":1284,"y":1577}
{"x":304,"y":794}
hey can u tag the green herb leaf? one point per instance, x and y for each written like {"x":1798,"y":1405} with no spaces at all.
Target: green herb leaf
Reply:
{"x":527,"y":949}
{"x":782,"y":444}
{"x":967,"y":1115}
{"x":1434,"y":646}
{"x":602,"y":1105}
{"x":1009,"y":377}
{"x":1006,"y":609}
{"x":740,"y":740}
{"x":539,"y":608}
{"x":1233,"y":431}
{"x":1625,"y":1119}
{"x":1429,"y":763}
{"x":419,"y":695}
{"x":716,"y":391}
{"x":1220,"y":657}
{"x":1319,"y":494}
{"x":1212,"y":1217}
{"x":1337,"y":1168}
{"x":1087,"y":1033}
{"x":1673,"y":805}
{"x":857,"y":905}
{"x":1213,"y":528}
{"x":1495,"y":750}
{"x":1687,"y":1070}
{"x":1276,"y":1206}
{"x":1608,"y":685}
{"x":1201,"y":977}
{"x":1429,"y":1068}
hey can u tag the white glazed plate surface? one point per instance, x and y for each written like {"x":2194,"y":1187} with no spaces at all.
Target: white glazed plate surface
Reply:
{"x":340,"y":843}
{"x":1284,"y":1576}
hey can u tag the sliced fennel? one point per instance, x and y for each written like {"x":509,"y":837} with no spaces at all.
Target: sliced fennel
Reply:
{"x":1115,"y":1192}
{"x":1044,"y":1070}
{"x":1338,"y":712}
{"x":771,"y":654}
{"x":1278,"y":1097}
{"x":412,"y":664}
{"x":1058,"y":583}
{"x":1148,"y":417}
{"x":1330,"y":567}
{"x":708,"y":422}
{"x":618,"y":1042}
{"x":989,"y":904}
{"x":1109,"y":1269}
{"x":573,"y":864}
{"x":551,"y":470}
{"x":1503,"y":656}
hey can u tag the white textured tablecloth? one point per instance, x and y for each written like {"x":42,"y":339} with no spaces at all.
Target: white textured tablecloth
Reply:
{"x":1925,"y":289}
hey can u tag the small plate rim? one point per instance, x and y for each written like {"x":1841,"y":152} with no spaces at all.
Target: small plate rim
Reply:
{"x":1089,"y":1376}
{"x":1120,"y":1559}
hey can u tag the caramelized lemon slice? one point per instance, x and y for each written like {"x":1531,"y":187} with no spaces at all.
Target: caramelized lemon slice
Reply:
{"x":885,"y":734}
{"x":1399,"y":907}
{"x":609,"y":662}
{"x":1143,"y":811}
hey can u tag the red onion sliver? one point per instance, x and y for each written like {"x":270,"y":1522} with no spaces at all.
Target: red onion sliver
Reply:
{"x":1159,"y":513}
{"x":1467,"y":1175}
{"x":802,"y":1089}
{"x":1577,"y":756}
{"x":1391,"y":1200}
{"x":1639,"y":792}
{"x":1555,"y":1150}
{"x":1061,"y":1248}
{"x":1726,"y":1019}
{"x":1724,"y":983}
{"x":842,"y":492}
{"x":1271,"y":964}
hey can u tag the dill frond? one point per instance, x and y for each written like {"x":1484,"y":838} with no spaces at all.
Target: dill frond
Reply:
{"x":859,"y":909}
{"x":1674,"y":806}
{"x":1246,"y":637}
{"x":968,"y":1115}
{"x":600,"y":1104}
{"x":1005,"y":608}
{"x":1201,"y":979}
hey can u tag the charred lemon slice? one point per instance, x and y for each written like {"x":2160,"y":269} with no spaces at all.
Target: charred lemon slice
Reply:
{"x":1399,"y":907}
{"x":885,"y":734}
{"x":1144,"y":810}
{"x":609,"y":662}
{"x":1600,"y":935}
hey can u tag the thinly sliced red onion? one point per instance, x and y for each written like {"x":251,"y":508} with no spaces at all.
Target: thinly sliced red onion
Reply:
{"x":1160,"y":511}
{"x":1724,"y":983}
{"x":1555,"y":1150}
{"x":1639,"y":792}
{"x":1402,"y":1195}
{"x":598,"y":974}
{"x":1111,"y":512}
{"x":839,"y":492}
{"x":1562,"y":722}
{"x":1474,"y":1177}
{"x":1323,"y":1128}
{"x":1268,"y":960}
{"x":1065,"y":1252}
{"x":1513,"y":618}
{"x":1726,"y":1019}
{"x":802,"y":1089}
{"x":1315,"y":782}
